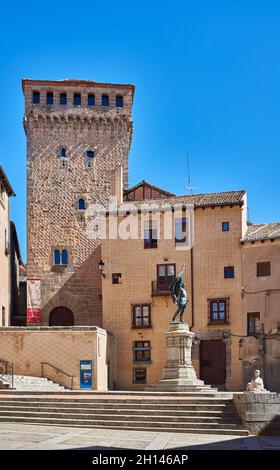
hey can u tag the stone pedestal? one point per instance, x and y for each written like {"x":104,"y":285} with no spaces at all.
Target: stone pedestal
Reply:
{"x":178,"y":373}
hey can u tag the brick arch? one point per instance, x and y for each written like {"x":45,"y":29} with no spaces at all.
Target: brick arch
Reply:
{"x":69,"y":301}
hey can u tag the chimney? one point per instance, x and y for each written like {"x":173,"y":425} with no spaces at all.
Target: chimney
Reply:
{"x":117,"y":183}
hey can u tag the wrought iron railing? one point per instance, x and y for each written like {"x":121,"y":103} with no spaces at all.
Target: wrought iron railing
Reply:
{"x":71,"y":377}
{"x":158,"y":290}
{"x":7,"y":372}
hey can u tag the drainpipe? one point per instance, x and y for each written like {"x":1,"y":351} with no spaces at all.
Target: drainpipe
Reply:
{"x":192,"y":289}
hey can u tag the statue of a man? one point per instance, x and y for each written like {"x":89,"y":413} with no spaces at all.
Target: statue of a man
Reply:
{"x":179,"y":295}
{"x":256,"y":384}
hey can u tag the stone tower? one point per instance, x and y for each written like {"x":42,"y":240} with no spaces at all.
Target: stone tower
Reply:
{"x":78,"y":132}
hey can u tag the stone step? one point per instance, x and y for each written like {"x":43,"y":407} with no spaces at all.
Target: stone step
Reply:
{"x":107,"y":410}
{"x":200,"y":428}
{"x":83,"y":414}
{"x":94,"y":398}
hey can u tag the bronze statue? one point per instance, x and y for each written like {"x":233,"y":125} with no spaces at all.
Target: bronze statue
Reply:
{"x":179,"y":295}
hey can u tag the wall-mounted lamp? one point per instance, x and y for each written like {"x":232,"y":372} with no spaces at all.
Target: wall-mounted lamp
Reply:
{"x":165,"y":258}
{"x":101,"y":267}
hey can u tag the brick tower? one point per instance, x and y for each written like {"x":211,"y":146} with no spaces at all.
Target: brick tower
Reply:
{"x":78,"y":132}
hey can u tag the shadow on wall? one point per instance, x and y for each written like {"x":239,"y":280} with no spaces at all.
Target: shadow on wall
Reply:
{"x":81,"y":294}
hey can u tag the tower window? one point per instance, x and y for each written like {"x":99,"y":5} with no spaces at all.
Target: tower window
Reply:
{"x":119,"y":101}
{"x":81,"y":204}
{"x":77,"y":99}
{"x":105,"y":100}
{"x":50,"y":97}
{"x":90,"y":153}
{"x":36,"y":97}
{"x":91,"y":100}
{"x":63,"y":98}
{"x":56,"y":257}
{"x":63,"y":152}
{"x":64,"y":257}
{"x":225,"y":226}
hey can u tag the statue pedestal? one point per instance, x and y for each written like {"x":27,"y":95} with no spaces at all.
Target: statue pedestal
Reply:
{"x":178,"y":373}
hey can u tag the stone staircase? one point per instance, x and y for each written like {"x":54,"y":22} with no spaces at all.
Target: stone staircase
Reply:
{"x":29,"y":383}
{"x":182,"y":412}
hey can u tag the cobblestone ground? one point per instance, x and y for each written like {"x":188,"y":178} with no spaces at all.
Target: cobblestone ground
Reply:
{"x":25,"y":436}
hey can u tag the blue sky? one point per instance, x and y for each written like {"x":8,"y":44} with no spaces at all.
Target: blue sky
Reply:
{"x":207,"y":77}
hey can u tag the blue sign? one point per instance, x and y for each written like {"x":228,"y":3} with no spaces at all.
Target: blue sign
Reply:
{"x":86,"y":374}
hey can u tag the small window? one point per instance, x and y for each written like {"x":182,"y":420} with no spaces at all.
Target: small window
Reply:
{"x":105,"y":100}
{"x":253,"y":323}
{"x":263,"y":269}
{"x":139,"y":376}
{"x":90,"y":154}
{"x":119,"y":101}
{"x":56,"y":257}
{"x":180,"y":231}
{"x":225,"y":226}
{"x":228,"y":272}
{"x":81,"y":204}
{"x":141,"y":316}
{"x":91,"y":100}
{"x":64,"y":257}
{"x":36,"y":97}
{"x":142,"y":351}
{"x":63,"y":98}
{"x":150,"y":235}
{"x":3,"y":316}
{"x":116,"y":278}
{"x":218,"y":311}
{"x":77,"y":99}
{"x":50,"y":97}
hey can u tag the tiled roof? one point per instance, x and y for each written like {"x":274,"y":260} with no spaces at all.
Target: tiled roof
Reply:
{"x":262,"y":231}
{"x":226,"y":198}
{"x":6,"y":182}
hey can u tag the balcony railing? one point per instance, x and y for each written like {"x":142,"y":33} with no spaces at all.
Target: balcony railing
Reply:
{"x":158,"y":290}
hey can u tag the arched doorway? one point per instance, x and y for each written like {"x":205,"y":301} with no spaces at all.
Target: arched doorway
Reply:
{"x":61,"y":316}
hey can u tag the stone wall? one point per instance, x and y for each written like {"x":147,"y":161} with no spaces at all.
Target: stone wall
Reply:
{"x":63,"y":348}
{"x":259,"y":412}
{"x":53,"y":220}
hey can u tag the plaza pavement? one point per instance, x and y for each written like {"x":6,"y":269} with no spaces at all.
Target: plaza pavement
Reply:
{"x":36,"y":437}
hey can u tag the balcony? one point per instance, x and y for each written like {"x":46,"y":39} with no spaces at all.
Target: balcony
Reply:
{"x":159,"y":291}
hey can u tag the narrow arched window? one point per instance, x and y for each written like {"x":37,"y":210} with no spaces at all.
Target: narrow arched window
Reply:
{"x":63,"y":152}
{"x":64,"y":257}
{"x":56,"y":257}
{"x":81,"y":204}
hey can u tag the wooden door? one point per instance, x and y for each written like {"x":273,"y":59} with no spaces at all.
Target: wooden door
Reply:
{"x":213,"y":362}
{"x":61,"y":316}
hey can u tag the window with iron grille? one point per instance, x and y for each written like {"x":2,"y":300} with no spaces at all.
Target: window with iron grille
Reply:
{"x":218,"y":311}
{"x":142,"y":351}
{"x":253,"y":323}
{"x":105,"y":100}
{"x":77,"y":100}
{"x":228,"y":272}
{"x":139,"y":376}
{"x":263,"y":269}
{"x":141,"y":316}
